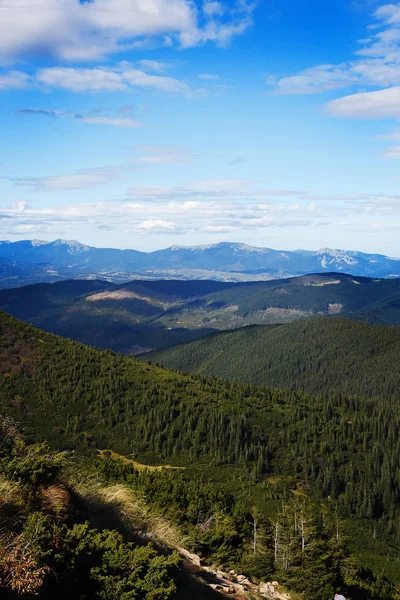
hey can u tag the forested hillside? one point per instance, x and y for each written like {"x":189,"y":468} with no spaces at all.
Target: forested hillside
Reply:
{"x":106,"y":315}
{"x":322,"y":355}
{"x":81,"y":398}
{"x":140,"y":316}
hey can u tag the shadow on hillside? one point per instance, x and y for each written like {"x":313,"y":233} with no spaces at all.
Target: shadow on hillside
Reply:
{"x":193,"y":583}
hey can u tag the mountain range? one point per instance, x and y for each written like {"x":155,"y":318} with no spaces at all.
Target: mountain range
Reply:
{"x":32,"y":261}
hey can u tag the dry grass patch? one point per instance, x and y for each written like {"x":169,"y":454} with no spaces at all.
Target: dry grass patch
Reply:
{"x":131,"y":509}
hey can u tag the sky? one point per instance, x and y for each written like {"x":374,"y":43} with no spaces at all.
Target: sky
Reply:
{"x":150,"y":123}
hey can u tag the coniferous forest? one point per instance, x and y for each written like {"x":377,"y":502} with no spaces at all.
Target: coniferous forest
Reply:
{"x":277,"y":483}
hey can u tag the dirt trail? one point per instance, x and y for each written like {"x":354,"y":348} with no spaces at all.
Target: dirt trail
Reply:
{"x":231,"y":584}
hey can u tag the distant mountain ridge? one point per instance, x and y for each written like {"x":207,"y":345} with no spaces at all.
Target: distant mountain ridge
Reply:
{"x":139,"y":316}
{"x":32,"y":261}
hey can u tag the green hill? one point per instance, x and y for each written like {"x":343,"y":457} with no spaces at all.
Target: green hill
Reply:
{"x":241,"y":447}
{"x":317,"y":355}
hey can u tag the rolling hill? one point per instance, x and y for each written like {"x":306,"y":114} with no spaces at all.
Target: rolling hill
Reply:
{"x":32,"y":261}
{"x":317,"y":355}
{"x":139,"y":316}
{"x":106,"y":315}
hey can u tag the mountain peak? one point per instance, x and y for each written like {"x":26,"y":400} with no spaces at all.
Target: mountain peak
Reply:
{"x":72,"y":245}
{"x":235,"y":246}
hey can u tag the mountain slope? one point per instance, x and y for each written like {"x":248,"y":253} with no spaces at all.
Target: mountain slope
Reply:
{"x":106,"y":315}
{"x":145,"y":315}
{"x":77,"y":396}
{"x":317,"y":355}
{"x":281,"y":301}
{"x":31,"y":261}
{"x":253,"y":440}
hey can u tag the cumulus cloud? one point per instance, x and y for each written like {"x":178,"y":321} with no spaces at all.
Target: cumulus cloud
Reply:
{"x":72,"y":30}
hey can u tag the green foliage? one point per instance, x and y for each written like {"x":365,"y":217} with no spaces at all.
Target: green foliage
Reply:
{"x":102,"y":566}
{"x":41,"y":556}
{"x":32,"y":464}
{"x":344,"y":448}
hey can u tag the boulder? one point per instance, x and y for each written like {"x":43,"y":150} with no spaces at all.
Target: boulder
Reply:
{"x":189,"y":556}
{"x":267,"y":589}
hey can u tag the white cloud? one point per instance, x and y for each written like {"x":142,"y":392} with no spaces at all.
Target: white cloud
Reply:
{"x":157,"y":225}
{"x":153,"y":65}
{"x":138,"y":78}
{"x":72,"y":30}
{"x":378,"y":104}
{"x":81,"y":80}
{"x":123,"y":77}
{"x":14,"y":80}
{"x":86,"y":178}
{"x":377,"y":62}
{"x":213,"y":8}
{"x":220,"y":33}
{"x":207,"y":206}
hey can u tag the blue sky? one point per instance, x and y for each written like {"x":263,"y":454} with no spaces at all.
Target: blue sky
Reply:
{"x":146,"y":123}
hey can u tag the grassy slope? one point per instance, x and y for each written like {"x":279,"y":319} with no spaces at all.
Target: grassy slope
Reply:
{"x":314,"y":355}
